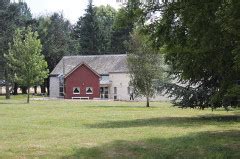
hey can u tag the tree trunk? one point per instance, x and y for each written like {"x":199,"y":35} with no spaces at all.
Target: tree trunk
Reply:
{"x":24,"y":90}
{"x":7,"y":85}
{"x":15,"y":89}
{"x":7,"y":90}
{"x":147,"y":102}
{"x":43,"y":88}
{"x":35,"y":89}
{"x":28,"y":96}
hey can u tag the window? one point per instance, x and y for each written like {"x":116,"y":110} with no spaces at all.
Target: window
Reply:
{"x":89,"y":90}
{"x":115,"y":90}
{"x":61,"y":86}
{"x":76,"y":90}
{"x":105,"y":77}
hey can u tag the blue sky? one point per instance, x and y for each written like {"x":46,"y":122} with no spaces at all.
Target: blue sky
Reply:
{"x":71,"y":9}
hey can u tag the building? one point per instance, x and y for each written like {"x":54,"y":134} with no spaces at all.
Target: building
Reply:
{"x":92,"y":77}
{"x":2,"y":87}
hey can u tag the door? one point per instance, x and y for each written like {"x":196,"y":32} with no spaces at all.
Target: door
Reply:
{"x":104,"y":92}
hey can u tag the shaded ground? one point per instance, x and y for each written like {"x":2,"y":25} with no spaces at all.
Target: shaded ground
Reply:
{"x":224,"y":144}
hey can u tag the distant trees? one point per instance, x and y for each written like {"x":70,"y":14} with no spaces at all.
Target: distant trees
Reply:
{"x":124,"y":23}
{"x":105,"y":18}
{"x":103,"y":30}
{"x":94,"y":30}
{"x":55,"y":34}
{"x":25,"y":59}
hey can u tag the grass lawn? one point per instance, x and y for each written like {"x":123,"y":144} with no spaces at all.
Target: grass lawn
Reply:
{"x":75,"y":129}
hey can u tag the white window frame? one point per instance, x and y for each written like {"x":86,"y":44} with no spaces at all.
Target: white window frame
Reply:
{"x":78,"y":89}
{"x":88,"y":88}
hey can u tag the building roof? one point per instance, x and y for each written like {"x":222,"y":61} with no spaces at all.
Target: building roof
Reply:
{"x":2,"y":82}
{"x":102,"y":64}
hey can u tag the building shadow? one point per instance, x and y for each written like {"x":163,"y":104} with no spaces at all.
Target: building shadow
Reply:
{"x":169,"y":122}
{"x":198,"y":145}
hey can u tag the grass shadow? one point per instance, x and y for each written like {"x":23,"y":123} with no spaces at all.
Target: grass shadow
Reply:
{"x":168,"y":121}
{"x":15,"y":103}
{"x":198,"y":145}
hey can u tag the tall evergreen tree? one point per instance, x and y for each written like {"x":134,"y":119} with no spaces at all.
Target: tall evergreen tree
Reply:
{"x":87,"y":31}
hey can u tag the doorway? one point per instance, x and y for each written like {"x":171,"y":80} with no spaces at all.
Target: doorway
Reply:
{"x":104,"y":92}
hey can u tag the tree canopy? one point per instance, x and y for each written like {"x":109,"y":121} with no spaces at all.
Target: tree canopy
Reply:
{"x":12,"y":15}
{"x":87,"y":31}
{"x":146,"y":66}
{"x":200,"y":41}
{"x":25,"y":59}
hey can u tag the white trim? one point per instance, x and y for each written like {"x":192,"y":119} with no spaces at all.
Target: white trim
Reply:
{"x":80,"y":97}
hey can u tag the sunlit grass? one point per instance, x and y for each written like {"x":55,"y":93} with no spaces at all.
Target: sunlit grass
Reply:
{"x":93,"y":129}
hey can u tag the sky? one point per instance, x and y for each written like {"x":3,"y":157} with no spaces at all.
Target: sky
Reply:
{"x":71,"y":9}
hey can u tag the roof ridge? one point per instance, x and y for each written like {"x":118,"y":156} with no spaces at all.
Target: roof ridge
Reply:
{"x":95,"y":55}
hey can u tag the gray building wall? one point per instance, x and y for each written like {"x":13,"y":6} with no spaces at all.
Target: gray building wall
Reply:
{"x":54,"y":87}
{"x":121,"y":82}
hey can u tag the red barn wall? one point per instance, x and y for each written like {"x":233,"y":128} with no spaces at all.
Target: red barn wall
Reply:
{"x":82,"y":77}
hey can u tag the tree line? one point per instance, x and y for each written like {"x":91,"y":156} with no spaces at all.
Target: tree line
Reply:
{"x":97,"y":32}
{"x":198,"y":41}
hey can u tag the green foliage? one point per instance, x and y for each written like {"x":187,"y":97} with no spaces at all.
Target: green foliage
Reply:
{"x":55,"y":34}
{"x":87,"y":31}
{"x":26,"y":60}
{"x":201,"y":43}
{"x":145,"y":66}
{"x":105,"y":16}
{"x":124,"y":23}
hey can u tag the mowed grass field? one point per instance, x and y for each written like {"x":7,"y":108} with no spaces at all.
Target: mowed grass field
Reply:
{"x":87,"y":129}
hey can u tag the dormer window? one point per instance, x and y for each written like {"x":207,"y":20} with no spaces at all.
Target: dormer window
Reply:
{"x":76,"y":90}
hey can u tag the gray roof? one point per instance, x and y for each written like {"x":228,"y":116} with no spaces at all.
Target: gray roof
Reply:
{"x":2,"y":82}
{"x":102,"y":64}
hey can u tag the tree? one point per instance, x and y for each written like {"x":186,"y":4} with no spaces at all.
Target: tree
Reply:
{"x":87,"y":31}
{"x":105,"y":16}
{"x":26,"y":60}
{"x":123,"y":25}
{"x":12,"y":15}
{"x":145,"y":66}
{"x":55,"y":34}
{"x":201,"y":43}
